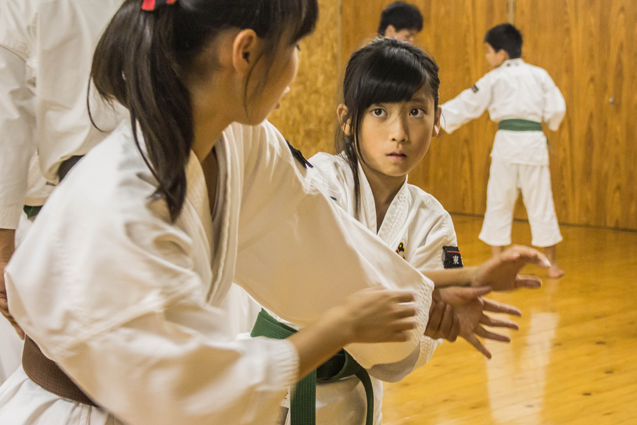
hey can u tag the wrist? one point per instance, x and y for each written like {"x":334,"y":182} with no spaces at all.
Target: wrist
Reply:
{"x":7,"y":244}
{"x":338,"y":325}
{"x":473,"y":277}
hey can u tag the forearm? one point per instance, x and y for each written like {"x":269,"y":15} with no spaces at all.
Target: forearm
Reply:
{"x":317,"y":343}
{"x":451,"y":277}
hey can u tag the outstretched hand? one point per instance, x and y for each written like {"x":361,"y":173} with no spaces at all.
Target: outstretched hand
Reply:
{"x":501,"y":272}
{"x":469,"y":307}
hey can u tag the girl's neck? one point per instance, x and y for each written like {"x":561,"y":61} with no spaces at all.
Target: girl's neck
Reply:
{"x":384,"y":188}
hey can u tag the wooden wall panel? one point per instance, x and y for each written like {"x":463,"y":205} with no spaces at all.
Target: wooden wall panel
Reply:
{"x":586,"y":47}
{"x":308,"y":113}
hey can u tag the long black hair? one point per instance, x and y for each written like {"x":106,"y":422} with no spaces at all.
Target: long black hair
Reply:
{"x":144,"y":58}
{"x":384,"y":71}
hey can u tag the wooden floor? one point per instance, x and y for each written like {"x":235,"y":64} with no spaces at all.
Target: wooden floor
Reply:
{"x":573,"y":361}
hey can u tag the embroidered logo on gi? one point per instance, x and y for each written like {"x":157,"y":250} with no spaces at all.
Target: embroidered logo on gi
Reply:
{"x":475,"y":89}
{"x":451,"y":257}
{"x":401,"y":250}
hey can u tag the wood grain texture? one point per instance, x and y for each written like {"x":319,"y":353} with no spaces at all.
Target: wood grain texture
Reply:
{"x":590,"y":51}
{"x":573,"y":361}
{"x":308,"y":113}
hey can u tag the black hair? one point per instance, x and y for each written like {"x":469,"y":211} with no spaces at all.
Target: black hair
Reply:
{"x":401,"y":16}
{"x":385,"y":71}
{"x":505,"y":37}
{"x":145,"y":58}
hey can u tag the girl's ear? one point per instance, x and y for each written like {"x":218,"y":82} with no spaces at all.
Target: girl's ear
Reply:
{"x":436,"y":129}
{"x":244,"y":51}
{"x":341,"y":113}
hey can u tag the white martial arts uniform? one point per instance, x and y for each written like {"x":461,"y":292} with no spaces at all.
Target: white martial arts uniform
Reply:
{"x":519,"y":160}
{"x":416,"y":226}
{"x":125,"y":301}
{"x":46,"y":49}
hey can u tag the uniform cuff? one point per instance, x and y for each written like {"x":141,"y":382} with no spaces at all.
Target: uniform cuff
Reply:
{"x":284,"y":364}
{"x":10,"y":217}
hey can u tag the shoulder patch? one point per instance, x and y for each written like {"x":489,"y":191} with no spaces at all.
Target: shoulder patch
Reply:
{"x":475,"y":89}
{"x":299,"y":156}
{"x":451,"y":257}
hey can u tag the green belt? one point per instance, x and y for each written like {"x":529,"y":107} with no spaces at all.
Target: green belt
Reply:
{"x":31,"y":211}
{"x":519,"y":125}
{"x":523,"y":125}
{"x":342,"y":365}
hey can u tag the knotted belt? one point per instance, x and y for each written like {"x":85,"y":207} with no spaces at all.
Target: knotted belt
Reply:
{"x":342,"y":365}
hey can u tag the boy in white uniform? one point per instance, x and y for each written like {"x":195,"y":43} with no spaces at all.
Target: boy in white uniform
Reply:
{"x":519,"y":97}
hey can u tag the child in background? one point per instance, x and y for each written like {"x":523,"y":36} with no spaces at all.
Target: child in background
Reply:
{"x":519,"y":97}
{"x":401,"y":21}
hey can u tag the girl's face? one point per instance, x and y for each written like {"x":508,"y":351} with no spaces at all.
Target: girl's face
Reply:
{"x":394,"y":137}
{"x":279,"y":77}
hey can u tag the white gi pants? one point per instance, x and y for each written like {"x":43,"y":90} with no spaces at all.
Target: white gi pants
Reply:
{"x":505,"y":182}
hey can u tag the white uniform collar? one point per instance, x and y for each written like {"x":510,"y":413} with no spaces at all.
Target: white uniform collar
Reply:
{"x":512,"y":62}
{"x":396,"y":213}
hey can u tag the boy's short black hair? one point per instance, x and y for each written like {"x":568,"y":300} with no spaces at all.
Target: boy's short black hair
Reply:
{"x":505,"y":37}
{"x":401,"y":16}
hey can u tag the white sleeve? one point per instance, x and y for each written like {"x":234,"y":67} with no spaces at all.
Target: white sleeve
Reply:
{"x":428,"y":256}
{"x":467,"y":106}
{"x":124,"y":302}
{"x":554,"y":104}
{"x":16,"y":136}
{"x":300,"y":254}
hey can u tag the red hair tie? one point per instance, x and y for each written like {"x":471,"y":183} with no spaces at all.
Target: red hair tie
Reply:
{"x":151,"y":5}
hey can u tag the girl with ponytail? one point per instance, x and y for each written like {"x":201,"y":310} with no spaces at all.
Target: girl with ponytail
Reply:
{"x":137,"y":248}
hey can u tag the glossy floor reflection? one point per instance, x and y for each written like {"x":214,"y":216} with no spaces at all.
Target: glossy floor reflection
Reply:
{"x":573,"y":361}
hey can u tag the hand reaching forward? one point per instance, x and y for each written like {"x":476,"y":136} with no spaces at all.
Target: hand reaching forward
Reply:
{"x":469,"y":307}
{"x":501,"y":272}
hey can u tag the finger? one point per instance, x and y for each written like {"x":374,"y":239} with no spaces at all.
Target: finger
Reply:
{"x":531,"y":282}
{"x":447,"y":321}
{"x":436,"y":317}
{"x":403,"y":325}
{"x":480,"y":331}
{"x":496,"y":307}
{"x":403,"y":296}
{"x":455,"y":330}
{"x":530,"y":255}
{"x":499,"y":323}
{"x":405,"y":311}
{"x":471,"y":339}
{"x":398,"y":337}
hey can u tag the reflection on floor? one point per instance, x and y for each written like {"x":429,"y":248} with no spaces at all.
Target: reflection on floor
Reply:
{"x":573,"y":361}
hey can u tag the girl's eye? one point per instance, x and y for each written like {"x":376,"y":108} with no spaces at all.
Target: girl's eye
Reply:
{"x":417,"y":113}
{"x":378,"y":112}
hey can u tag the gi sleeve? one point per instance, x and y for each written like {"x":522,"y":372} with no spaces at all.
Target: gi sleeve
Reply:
{"x":467,"y":106}
{"x":428,"y":256}
{"x":301,"y":254}
{"x":109,"y":287}
{"x":16,"y":136}
{"x":554,"y":104}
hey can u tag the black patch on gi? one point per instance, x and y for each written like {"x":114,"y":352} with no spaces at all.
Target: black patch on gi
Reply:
{"x":451,"y":257}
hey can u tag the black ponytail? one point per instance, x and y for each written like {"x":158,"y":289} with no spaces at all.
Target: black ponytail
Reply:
{"x":144,"y":58}
{"x":385,"y":71}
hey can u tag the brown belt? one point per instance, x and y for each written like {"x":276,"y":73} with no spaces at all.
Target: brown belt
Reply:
{"x":44,"y":372}
{"x":48,"y":375}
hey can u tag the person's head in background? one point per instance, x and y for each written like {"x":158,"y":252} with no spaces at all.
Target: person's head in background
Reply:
{"x":401,"y":21}
{"x":503,"y":42}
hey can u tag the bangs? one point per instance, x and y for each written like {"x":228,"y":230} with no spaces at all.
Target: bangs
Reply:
{"x":392,"y":76}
